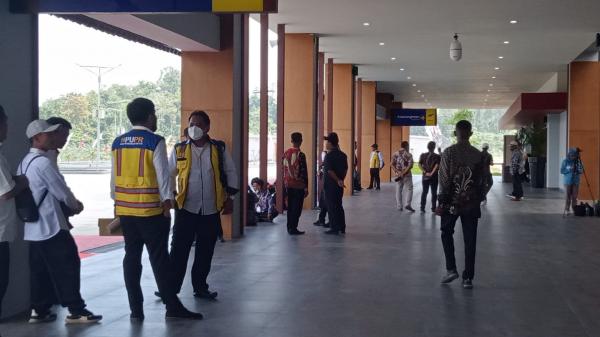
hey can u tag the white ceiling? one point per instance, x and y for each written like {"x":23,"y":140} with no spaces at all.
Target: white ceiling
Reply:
{"x":549,"y":34}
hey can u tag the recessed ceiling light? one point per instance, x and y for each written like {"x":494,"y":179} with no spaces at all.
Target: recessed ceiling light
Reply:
{"x":506,"y":42}
{"x":414,"y":85}
{"x":491,"y":84}
{"x":489,"y":90}
{"x":501,"y":57}
{"x":419,"y":90}
{"x":393,"y":59}
{"x":513,"y":21}
{"x":366,"y":24}
{"x":382,"y":43}
{"x":494,"y":77}
{"x":496,"y":68}
{"x":408,"y":77}
{"x":401,"y":69}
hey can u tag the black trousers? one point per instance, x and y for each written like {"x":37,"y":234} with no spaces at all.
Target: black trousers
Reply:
{"x":431,"y":183}
{"x":154,"y":233}
{"x":488,"y":182}
{"x":517,"y":186}
{"x":295,"y":202}
{"x":375,"y":179}
{"x":337,"y":217}
{"x":204,"y":229}
{"x":4,"y":270}
{"x":322,"y":206}
{"x":469,"y":225}
{"x":55,"y":273}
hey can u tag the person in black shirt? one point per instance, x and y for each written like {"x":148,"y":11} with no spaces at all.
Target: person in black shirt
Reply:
{"x":336,"y":168}
{"x":461,"y":186}
{"x":429,"y":163}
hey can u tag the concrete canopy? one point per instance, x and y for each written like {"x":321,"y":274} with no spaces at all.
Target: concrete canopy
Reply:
{"x":548,"y":35}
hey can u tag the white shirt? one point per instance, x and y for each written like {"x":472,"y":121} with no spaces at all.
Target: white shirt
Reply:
{"x":8,"y":211}
{"x":53,"y":156}
{"x":43,"y":176}
{"x":200,"y":197}
{"x":161,"y":166}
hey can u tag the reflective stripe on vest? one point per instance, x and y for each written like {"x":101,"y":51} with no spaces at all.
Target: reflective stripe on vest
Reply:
{"x":136,"y":183}
{"x":183,"y":153}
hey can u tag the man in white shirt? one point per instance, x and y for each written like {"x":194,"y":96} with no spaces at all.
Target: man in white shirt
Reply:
{"x":206,"y":181}
{"x":54,"y":258}
{"x":9,"y":188}
{"x":140,"y":186}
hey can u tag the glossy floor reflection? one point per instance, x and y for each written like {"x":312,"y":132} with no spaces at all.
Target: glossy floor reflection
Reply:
{"x":537,"y":274}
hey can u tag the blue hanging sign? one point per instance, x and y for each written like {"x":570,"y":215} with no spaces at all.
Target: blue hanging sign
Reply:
{"x":414,"y":117}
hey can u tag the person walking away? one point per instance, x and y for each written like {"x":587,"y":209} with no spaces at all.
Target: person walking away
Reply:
{"x":488,"y":179}
{"x":429,"y":164}
{"x":295,"y":175}
{"x":55,"y":267}
{"x":461,"y":191}
{"x":206,"y":183}
{"x":10,"y":187}
{"x":141,"y":189}
{"x":376,"y":164}
{"x":572,"y":169}
{"x":321,"y":220}
{"x":336,"y":169}
{"x":517,"y":168}
{"x":402,"y":164}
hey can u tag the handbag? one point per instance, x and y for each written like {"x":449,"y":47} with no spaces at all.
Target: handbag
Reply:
{"x":579,"y":210}
{"x":27,"y":208}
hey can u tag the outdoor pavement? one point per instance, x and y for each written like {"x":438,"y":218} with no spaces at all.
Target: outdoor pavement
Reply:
{"x":537,"y":275}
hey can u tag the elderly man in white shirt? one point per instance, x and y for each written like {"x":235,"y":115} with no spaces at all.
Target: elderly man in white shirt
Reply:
{"x":54,"y":258}
{"x":10,"y":187}
{"x":206,"y":182}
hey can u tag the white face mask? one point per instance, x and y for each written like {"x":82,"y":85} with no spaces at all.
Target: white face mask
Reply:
{"x":195,"y":132}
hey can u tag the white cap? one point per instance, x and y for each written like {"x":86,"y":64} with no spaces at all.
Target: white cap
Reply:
{"x":514,"y":143}
{"x":39,"y":126}
{"x":485,"y":146}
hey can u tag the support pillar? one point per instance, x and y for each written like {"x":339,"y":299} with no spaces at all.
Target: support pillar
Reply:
{"x":367,"y":129}
{"x":300,"y":98}
{"x":343,"y":115}
{"x":584,"y":122}
{"x":280,"y":115}
{"x":264,"y":96}
{"x":383,"y":139}
{"x":329,"y":99}
{"x":216,"y":82}
{"x":19,"y":97}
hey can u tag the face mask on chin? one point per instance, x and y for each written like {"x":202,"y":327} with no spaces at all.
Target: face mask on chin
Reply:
{"x":195,"y":132}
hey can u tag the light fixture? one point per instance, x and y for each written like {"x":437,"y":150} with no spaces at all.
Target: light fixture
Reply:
{"x":414,"y":85}
{"x":513,"y":21}
{"x":401,"y":69}
{"x":408,"y":77}
{"x":382,"y":43}
{"x":366,"y":24}
{"x":491,"y":84}
{"x":393,"y":59}
{"x":455,"y":49}
{"x":506,"y":42}
{"x":494,"y":77}
{"x":500,"y":57}
{"x":489,"y":90}
{"x":419,"y":90}
{"x":496,"y":68}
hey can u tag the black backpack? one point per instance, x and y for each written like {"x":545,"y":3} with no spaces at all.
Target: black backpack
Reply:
{"x":27,"y":208}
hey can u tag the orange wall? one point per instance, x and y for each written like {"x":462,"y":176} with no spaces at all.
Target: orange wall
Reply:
{"x":383,"y":137}
{"x":207,"y":84}
{"x":342,"y":114}
{"x":298,"y":108}
{"x":584,"y":120}
{"x":368,"y":129}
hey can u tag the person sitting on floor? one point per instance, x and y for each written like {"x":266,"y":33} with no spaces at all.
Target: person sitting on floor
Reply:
{"x":264,"y":207}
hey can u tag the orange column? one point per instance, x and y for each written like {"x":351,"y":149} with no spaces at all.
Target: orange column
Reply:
{"x":342,"y":114}
{"x":584,"y":121}
{"x":299,"y":96}
{"x":383,"y":138}
{"x":367,"y":133}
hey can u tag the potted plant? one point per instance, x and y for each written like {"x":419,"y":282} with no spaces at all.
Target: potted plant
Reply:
{"x":534,"y":137}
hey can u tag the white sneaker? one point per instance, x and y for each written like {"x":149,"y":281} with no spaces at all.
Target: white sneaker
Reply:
{"x":41,"y":318}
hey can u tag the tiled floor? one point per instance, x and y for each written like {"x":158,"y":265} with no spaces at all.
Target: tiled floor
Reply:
{"x":537,"y":276}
